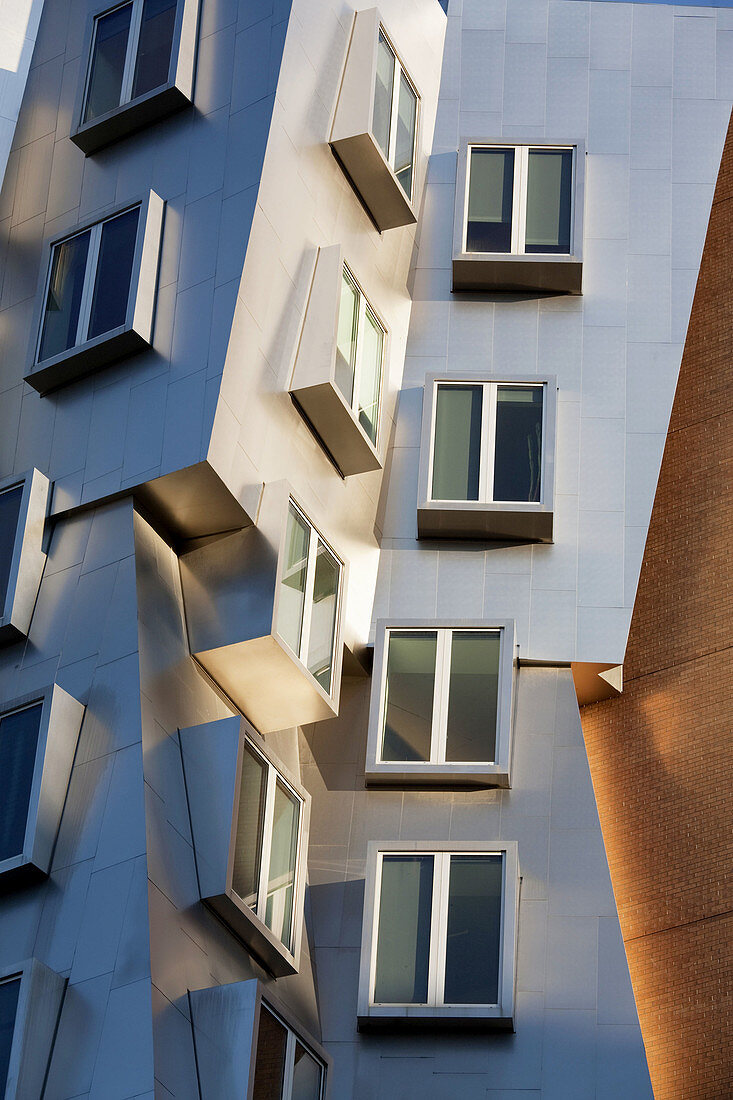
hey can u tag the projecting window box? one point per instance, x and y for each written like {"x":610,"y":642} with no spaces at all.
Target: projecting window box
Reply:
{"x":97,"y":294}
{"x":441,"y":704}
{"x":23,"y":505}
{"x":519,"y":217}
{"x":30,"y":1003}
{"x":487,"y":458}
{"x":140,"y":60}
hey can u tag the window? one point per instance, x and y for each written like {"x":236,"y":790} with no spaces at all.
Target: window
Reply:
{"x":395,"y":113}
{"x":9,"y":992}
{"x":19,"y":731}
{"x":10,"y":502}
{"x":30,"y":1003}
{"x":23,"y":503}
{"x":440,"y":934}
{"x":285,"y":1069}
{"x":310,"y":585}
{"x":490,"y":446}
{"x":359,"y":356}
{"x":98,"y":295}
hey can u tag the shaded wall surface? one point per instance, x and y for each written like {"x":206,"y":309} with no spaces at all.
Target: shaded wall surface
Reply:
{"x":660,"y":755}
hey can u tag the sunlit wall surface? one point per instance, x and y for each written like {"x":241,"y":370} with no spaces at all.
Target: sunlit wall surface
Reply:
{"x":18,"y":27}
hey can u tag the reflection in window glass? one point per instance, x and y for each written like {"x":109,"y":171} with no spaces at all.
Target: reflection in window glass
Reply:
{"x":18,"y":744}
{"x":549,"y":200}
{"x":108,"y":62}
{"x":307,"y":1076}
{"x":408,"y":704}
{"x":518,"y":446}
{"x":472,"y":696}
{"x":292,"y":586}
{"x":403,"y":935}
{"x":405,"y":144}
{"x":457,"y":446}
{"x":283,"y":857}
{"x":346,"y":338}
{"x":250,"y":827}
{"x":491,"y":183}
{"x":383,"y":95}
{"x":9,"y":992}
{"x":370,"y":375}
{"x":474,"y":929}
{"x":272,"y":1041}
{"x":114,"y":273}
{"x":63,"y":303}
{"x":323,"y":616}
{"x":154,"y":47}
{"x":10,"y":501}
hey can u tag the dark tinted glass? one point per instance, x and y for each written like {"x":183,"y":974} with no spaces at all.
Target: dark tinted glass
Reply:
{"x":272,"y":1040}
{"x":108,"y":62}
{"x":307,"y":1076}
{"x":408,"y":704}
{"x":474,"y":677}
{"x":518,"y":452}
{"x":8,"y":1006}
{"x":154,"y":46}
{"x":61,"y":317}
{"x":18,"y":743}
{"x":9,"y":512}
{"x":549,"y":199}
{"x":114,"y":270}
{"x":250,"y":823}
{"x":457,"y":445}
{"x":490,"y":190}
{"x":474,"y":928}
{"x":403,"y":938}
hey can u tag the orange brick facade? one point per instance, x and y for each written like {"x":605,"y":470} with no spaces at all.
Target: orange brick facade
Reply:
{"x":661,"y":755}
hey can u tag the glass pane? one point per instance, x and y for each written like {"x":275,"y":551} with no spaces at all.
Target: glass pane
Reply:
{"x":272,"y":1041}
{"x":283,"y":856}
{"x":61,"y":317}
{"x":472,"y":696}
{"x":383,"y":95}
{"x":323,"y":616}
{"x":250,"y":823}
{"x":154,"y":46}
{"x":114,"y":271}
{"x":405,"y":144}
{"x":9,"y":513}
{"x":370,"y":375}
{"x":518,"y":449}
{"x":346,"y":338}
{"x":403,"y":936}
{"x":457,"y":445}
{"x":490,"y":192}
{"x":549,"y":199}
{"x":307,"y":1076}
{"x":474,"y":928}
{"x":8,"y":1004}
{"x":408,"y":704}
{"x":18,"y":743}
{"x":292,"y":585}
{"x":108,"y":62}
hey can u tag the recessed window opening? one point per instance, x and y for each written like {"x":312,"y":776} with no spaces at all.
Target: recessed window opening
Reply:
{"x":9,"y":993}
{"x":394,"y":119}
{"x":359,"y":355}
{"x":10,"y":502}
{"x":285,"y":1068}
{"x":19,"y":731}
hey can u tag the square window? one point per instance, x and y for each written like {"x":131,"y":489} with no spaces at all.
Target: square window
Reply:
{"x":98,"y":295}
{"x":23,"y":505}
{"x":27,"y":1034}
{"x":140,"y":68}
{"x":439,"y":935}
{"x":518,"y":219}
{"x":441,"y":706}
{"x":487,"y":458}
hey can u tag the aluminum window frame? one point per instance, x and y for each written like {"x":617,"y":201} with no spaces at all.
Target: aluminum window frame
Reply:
{"x":294,"y":1037}
{"x":399,"y":70}
{"x":365,"y":307}
{"x":28,"y":555}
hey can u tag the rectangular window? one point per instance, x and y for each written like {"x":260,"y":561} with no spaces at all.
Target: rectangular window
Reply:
{"x":285,"y":1069}
{"x":310,"y":587}
{"x":487,"y":443}
{"x":9,"y":992}
{"x":359,"y":354}
{"x":441,"y":696}
{"x":131,"y":54}
{"x":19,"y":731}
{"x":519,"y":200}
{"x":394,"y":117}
{"x":10,"y":502}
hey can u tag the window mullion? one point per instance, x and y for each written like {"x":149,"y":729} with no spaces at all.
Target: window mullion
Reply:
{"x":360,"y":324}
{"x":289,"y":1066}
{"x":519,"y":221}
{"x":440,"y":926}
{"x":488,"y":436}
{"x":90,"y":275}
{"x":440,"y":698}
{"x":133,"y":41}
{"x":431,"y":456}
{"x":310,"y":581}
{"x":375,"y":928}
{"x":393,"y":112}
{"x":267,"y":828}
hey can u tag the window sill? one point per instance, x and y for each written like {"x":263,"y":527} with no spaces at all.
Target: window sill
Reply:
{"x":129,"y":117}
{"x":423,"y":1018}
{"x":474,"y":520}
{"x":335,"y":425}
{"x":84,"y":359}
{"x":543,"y":273}
{"x":254,"y":934}
{"x":373,"y":177}
{"x":419,"y":774}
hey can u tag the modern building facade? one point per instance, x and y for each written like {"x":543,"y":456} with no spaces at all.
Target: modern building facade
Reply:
{"x":337,"y":355}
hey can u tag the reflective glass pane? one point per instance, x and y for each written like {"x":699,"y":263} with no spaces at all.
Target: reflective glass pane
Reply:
{"x":114,"y":271}
{"x":9,"y":513}
{"x":283,"y":857}
{"x":490,"y":190}
{"x":61,"y":316}
{"x":292,"y":584}
{"x":307,"y":1076}
{"x":154,"y":46}
{"x":457,"y":442}
{"x":472,"y":696}
{"x":108,"y":62}
{"x":272,"y":1041}
{"x":518,"y":449}
{"x":250,"y":823}
{"x":323,"y":616}
{"x":8,"y":1006}
{"x":403,"y":936}
{"x":405,"y":144}
{"x":383,"y":95}
{"x":18,"y":744}
{"x":370,"y":375}
{"x":474,"y":929}
{"x":408,"y":704}
{"x":346,"y":338}
{"x":549,"y":200}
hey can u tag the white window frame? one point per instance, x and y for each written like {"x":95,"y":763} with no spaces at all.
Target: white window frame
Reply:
{"x":364,"y":307}
{"x":293,"y":1038}
{"x":399,"y":69}
{"x":490,"y":389}
{"x":519,"y":196}
{"x":133,"y":42}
